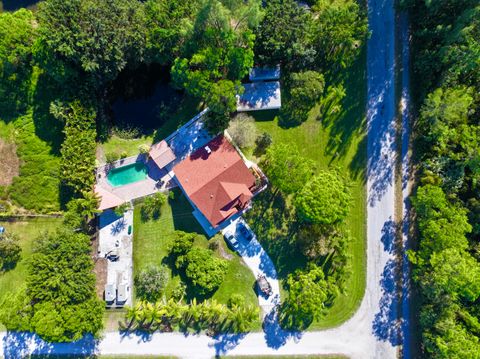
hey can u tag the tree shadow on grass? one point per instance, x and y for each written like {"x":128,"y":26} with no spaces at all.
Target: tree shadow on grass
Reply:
{"x":47,"y":127}
{"x":25,"y":344}
{"x":351,"y":122}
{"x":183,"y":219}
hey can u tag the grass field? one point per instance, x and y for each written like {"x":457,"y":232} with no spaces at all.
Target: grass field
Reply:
{"x":27,"y":231}
{"x":339,"y":143}
{"x":153,"y":237}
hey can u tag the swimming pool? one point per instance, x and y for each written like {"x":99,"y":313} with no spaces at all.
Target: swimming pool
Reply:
{"x":121,"y":176}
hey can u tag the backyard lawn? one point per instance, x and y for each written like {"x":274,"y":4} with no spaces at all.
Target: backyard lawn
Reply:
{"x":339,"y":143}
{"x":153,"y":237}
{"x":27,"y":232}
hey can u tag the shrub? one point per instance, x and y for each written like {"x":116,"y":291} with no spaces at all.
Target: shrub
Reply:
{"x":150,"y":283}
{"x":243,"y":131}
{"x":120,"y":210}
{"x":143,"y":148}
{"x":78,"y":149}
{"x":123,"y":155}
{"x":111,"y":157}
{"x":204,"y":270}
{"x":59,"y":302}
{"x":10,"y":251}
{"x":182,"y":243}
{"x":179,"y":292}
{"x":152,"y":206}
{"x":263,"y":142}
{"x":126,"y":132}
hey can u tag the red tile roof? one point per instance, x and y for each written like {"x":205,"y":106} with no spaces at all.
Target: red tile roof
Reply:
{"x":218,"y":183}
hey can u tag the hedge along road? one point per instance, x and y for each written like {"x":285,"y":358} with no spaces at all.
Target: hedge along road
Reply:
{"x":374,"y":331}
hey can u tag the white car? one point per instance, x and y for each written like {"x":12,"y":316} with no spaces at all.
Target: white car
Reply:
{"x":231,"y":239}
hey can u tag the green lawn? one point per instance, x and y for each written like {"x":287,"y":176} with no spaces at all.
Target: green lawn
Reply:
{"x":27,"y":231}
{"x":153,"y":237}
{"x":339,"y":143}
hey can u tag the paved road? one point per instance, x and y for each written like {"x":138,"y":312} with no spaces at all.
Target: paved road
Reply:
{"x":374,"y":330}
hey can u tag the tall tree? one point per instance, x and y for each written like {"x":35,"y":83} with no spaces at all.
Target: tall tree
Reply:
{"x":325,"y":199}
{"x":17,"y":34}
{"x":282,"y":36}
{"x":98,"y":38}
{"x":286,"y":168}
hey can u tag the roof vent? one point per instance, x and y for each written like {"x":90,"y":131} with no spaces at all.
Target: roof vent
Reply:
{"x":208,"y":149}
{"x":211,"y":196}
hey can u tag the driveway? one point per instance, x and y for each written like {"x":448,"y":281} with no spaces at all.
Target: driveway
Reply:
{"x":113,"y":236}
{"x":258,"y":261}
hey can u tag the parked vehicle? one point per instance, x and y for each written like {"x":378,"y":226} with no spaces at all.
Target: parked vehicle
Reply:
{"x":232,"y":240}
{"x":245,"y":232}
{"x":264,"y":285}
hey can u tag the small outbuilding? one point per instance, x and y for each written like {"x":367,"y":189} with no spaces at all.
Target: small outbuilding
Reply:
{"x":264,"y":73}
{"x":161,"y":154}
{"x":260,"y":96}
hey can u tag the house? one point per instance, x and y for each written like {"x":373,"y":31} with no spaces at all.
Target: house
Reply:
{"x":217,"y":182}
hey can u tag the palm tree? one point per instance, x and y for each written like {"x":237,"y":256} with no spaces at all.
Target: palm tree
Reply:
{"x":89,"y":205}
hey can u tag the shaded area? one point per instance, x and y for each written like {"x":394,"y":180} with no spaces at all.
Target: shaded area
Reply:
{"x":12,"y":5}
{"x":23,"y":344}
{"x":143,"y":98}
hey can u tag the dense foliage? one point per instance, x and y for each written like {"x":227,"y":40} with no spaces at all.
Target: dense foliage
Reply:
{"x":208,"y":315}
{"x":325,"y":199}
{"x":59,"y":302}
{"x":205,"y":271}
{"x":152,"y":205}
{"x":77,"y":166}
{"x":308,"y":291}
{"x":446,"y":42}
{"x":16,"y":38}
{"x":10,"y":251}
{"x":150,"y":283}
{"x":286,"y":168}
{"x":93,"y":38}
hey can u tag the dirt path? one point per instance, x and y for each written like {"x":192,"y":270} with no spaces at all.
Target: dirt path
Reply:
{"x":9,"y":162}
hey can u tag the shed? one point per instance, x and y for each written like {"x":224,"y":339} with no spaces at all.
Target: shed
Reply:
{"x":161,"y":154}
{"x":260,"y":96}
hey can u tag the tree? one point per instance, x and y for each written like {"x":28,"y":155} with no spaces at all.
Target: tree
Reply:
{"x":221,"y":101}
{"x":325,"y":199}
{"x":282,"y":36}
{"x":17,"y":35}
{"x":243,"y":131}
{"x":152,"y":205}
{"x":263,"y":142}
{"x":99,"y":38}
{"x":77,"y":166}
{"x":169,"y":25}
{"x":307,"y":294}
{"x":204,"y":270}
{"x":10,"y":251}
{"x":150,"y":283}
{"x":217,"y":56}
{"x":305,"y":90}
{"x":120,"y":210}
{"x":182,"y":243}
{"x":338,"y":32}
{"x":59,"y":302}
{"x":286,"y":169}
